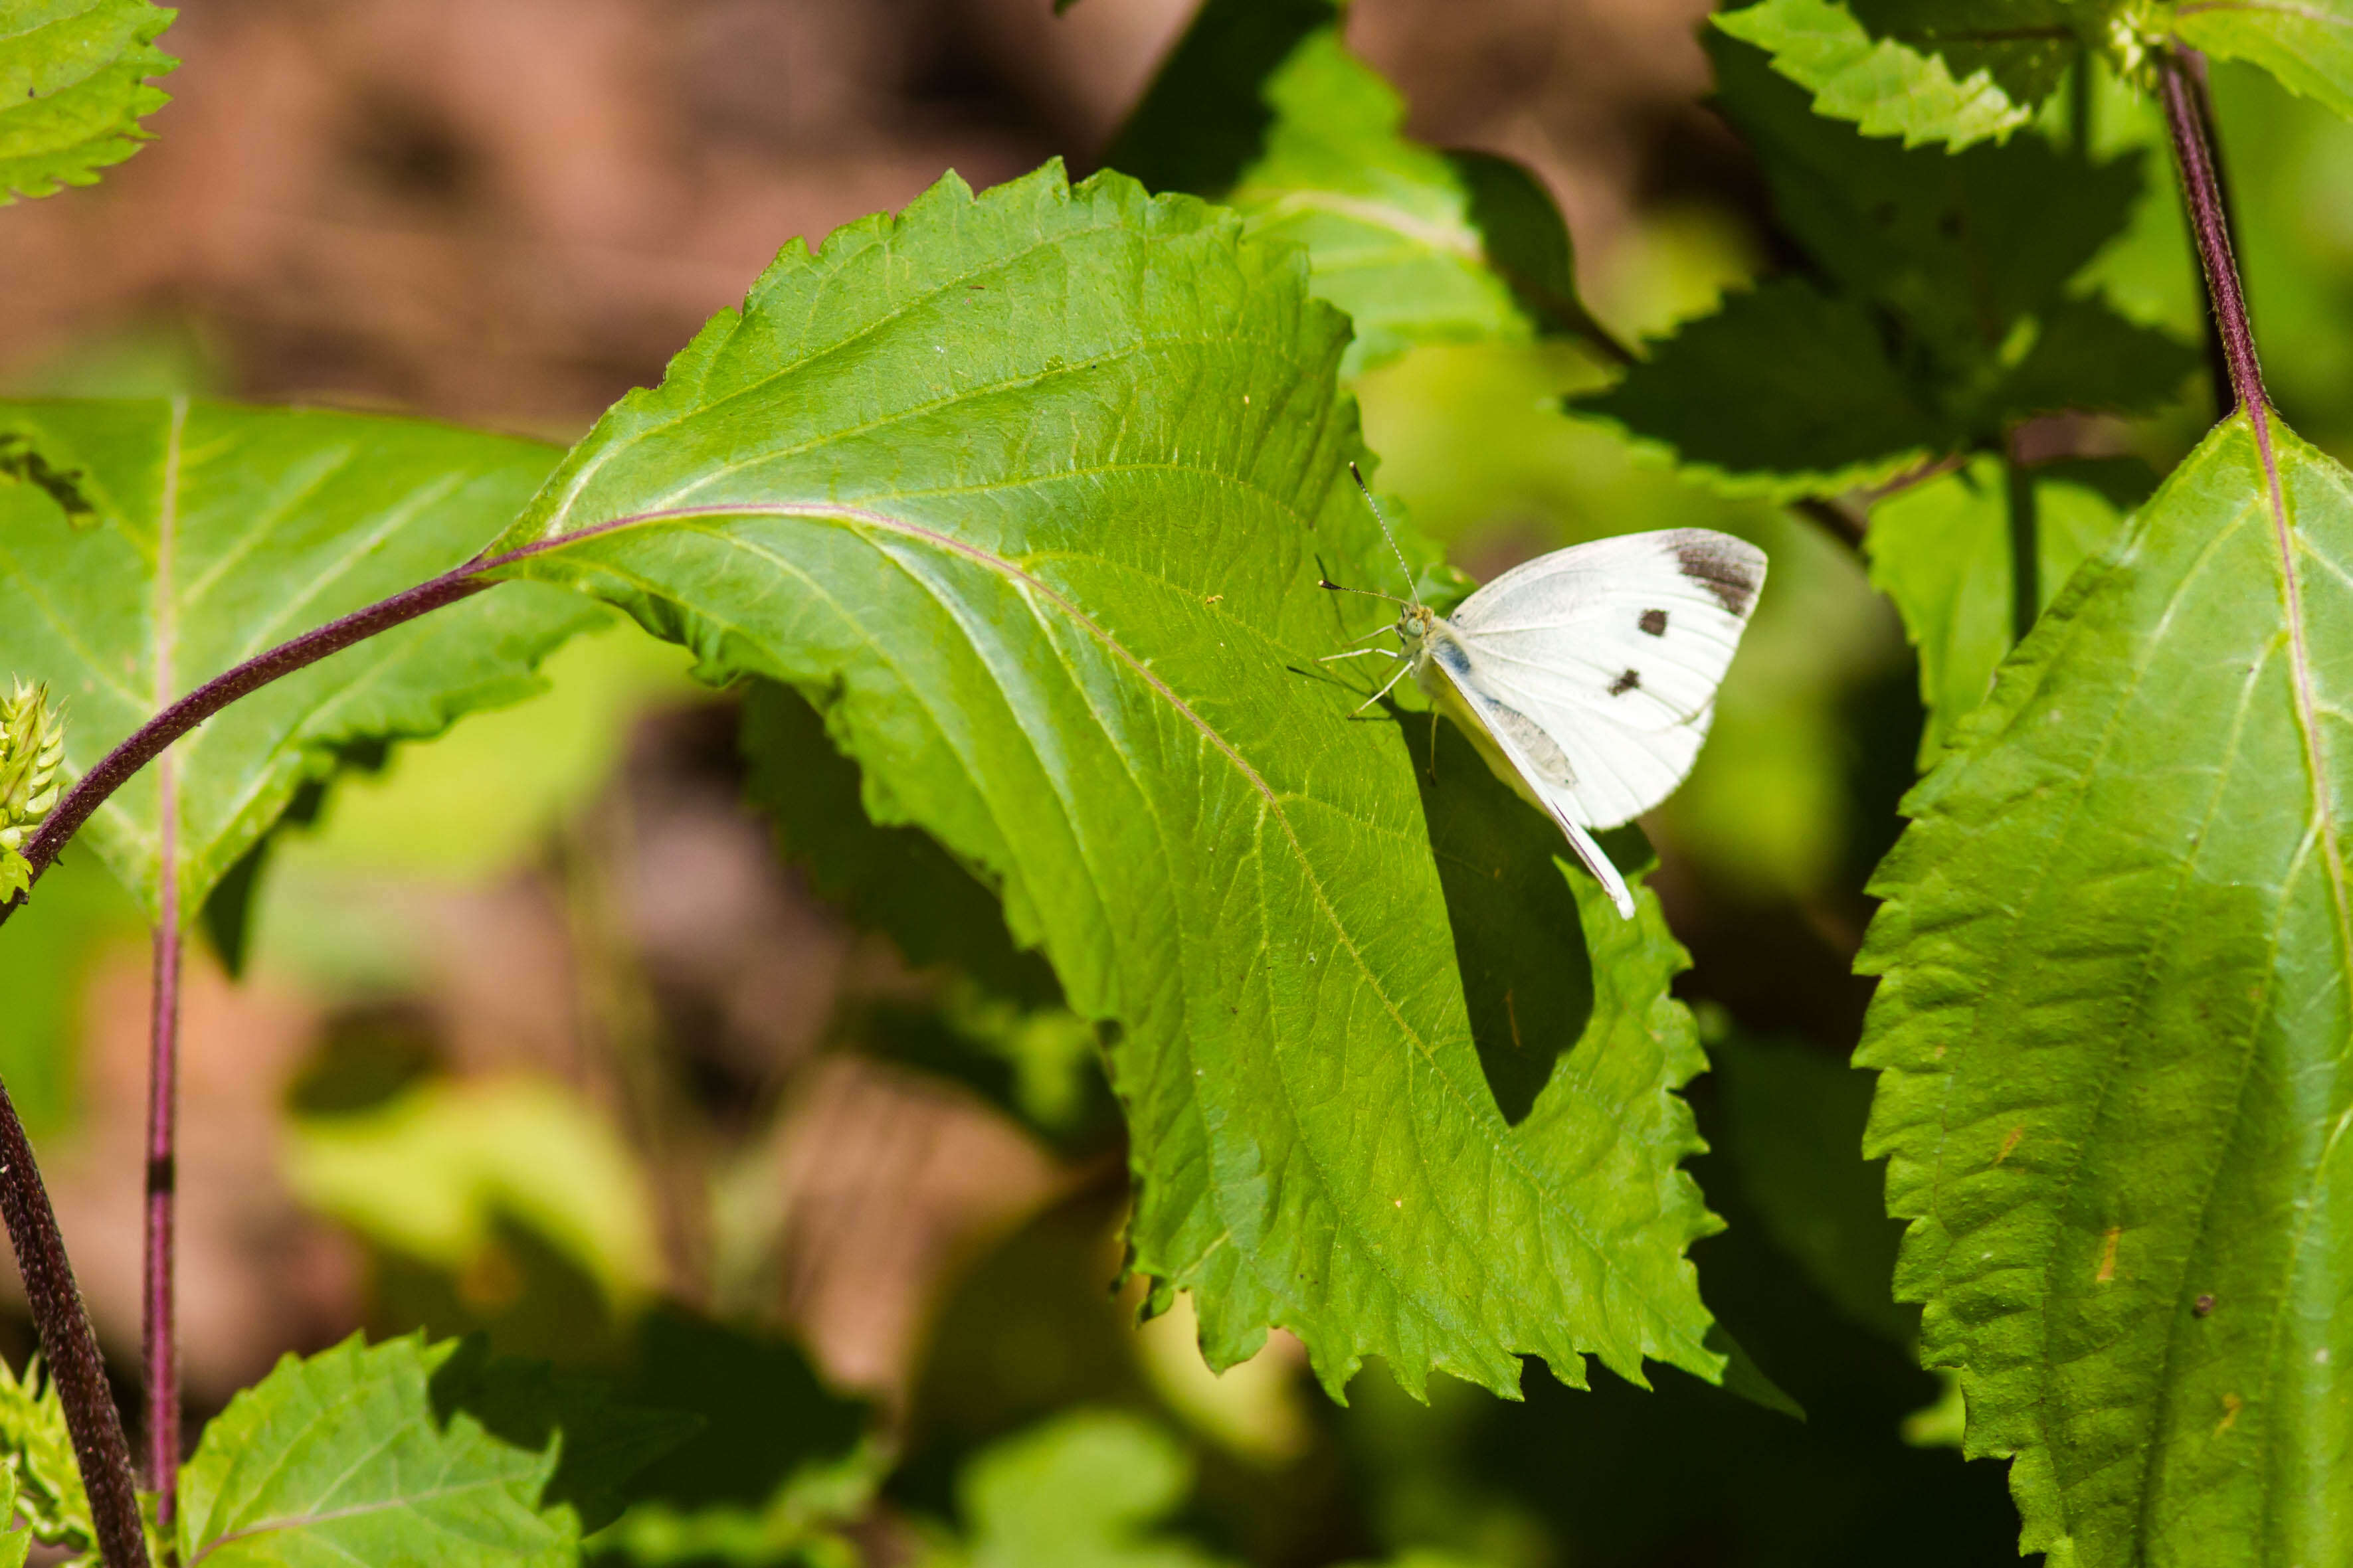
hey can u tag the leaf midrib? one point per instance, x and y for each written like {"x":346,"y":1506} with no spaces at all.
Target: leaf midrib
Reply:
{"x":1506,"y":1150}
{"x":697,"y":408}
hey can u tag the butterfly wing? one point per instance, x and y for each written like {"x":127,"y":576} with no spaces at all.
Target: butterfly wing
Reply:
{"x":1519,"y":751}
{"x":1613,"y":650}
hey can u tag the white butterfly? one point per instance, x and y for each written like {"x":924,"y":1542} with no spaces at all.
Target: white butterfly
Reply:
{"x":1587,"y":678}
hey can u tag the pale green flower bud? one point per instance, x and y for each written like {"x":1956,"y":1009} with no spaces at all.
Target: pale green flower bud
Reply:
{"x":32,"y":755}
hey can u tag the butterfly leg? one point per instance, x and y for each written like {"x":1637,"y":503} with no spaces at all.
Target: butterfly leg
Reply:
{"x":1354,"y":652}
{"x":1402,"y":668}
{"x":1433,"y":745}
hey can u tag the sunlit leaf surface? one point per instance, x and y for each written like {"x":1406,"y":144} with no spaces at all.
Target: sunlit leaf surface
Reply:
{"x":345,"y":1458}
{"x":1028,"y":493}
{"x":157,"y":544}
{"x":73,"y":89}
{"x":2117,"y":1036}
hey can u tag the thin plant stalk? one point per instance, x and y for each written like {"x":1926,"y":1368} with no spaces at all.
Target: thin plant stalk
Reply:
{"x":2210,"y":224}
{"x":69,"y":1348}
{"x":159,"y":1333}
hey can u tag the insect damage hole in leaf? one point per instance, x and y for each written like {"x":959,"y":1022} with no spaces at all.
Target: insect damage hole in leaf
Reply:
{"x":993,"y":523}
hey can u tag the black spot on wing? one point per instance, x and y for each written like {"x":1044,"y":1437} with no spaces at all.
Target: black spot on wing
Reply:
{"x":1729,"y":577}
{"x":1630,"y":681}
{"x":1653,"y":622}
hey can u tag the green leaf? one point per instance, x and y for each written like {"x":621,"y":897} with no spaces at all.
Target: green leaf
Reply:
{"x":371,"y":1454}
{"x":1941,"y":552}
{"x":1957,"y":245}
{"x":895,"y":880}
{"x":2023,"y":47}
{"x":43,"y":1476}
{"x":1784,"y":392}
{"x":1937,"y":314}
{"x":2114,"y":1033}
{"x":1386,"y":221}
{"x":433,"y":1172}
{"x":15,"y":1540}
{"x":1418,"y":247}
{"x":1084,"y":1490}
{"x":780,"y":1464}
{"x":1028,"y":493}
{"x":2308,"y":44}
{"x":73,"y":75}
{"x":1205,"y":117}
{"x":1894,"y":86}
{"x":2085,"y":355}
{"x":215,"y":532}
{"x":603,"y":1447}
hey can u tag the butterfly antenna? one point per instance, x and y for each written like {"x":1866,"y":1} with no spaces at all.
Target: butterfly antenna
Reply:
{"x":1358,"y":475}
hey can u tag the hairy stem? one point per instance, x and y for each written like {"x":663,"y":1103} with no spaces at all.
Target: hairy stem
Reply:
{"x":147,"y":743}
{"x":2241,"y":381}
{"x":69,"y":1347}
{"x":159,"y":1328}
{"x":2025,"y":546}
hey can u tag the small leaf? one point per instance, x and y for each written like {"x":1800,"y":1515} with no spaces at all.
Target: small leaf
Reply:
{"x":1960,"y":244}
{"x":73,"y":81}
{"x":1941,"y":552}
{"x":32,"y":748}
{"x":1892,"y":88}
{"x":2086,"y":356}
{"x":1028,"y":493}
{"x":603,"y":1446}
{"x":216,"y":532}
{"x":1386,"y":222}
{"x":2113,"y":1024}
{"x":2306,"y":44}
{"x":1936,"y":315}
{"x":1205,"y":117}
{"x":1418,"y":247}
{"x":360,"y":1455}
{"x":15,"y":1540}
{"x":1784,"y":392}
{"x":39,"y":1456}
{"x":779,"y":1468}
{"x":1526,"y":242}
{"x":2024,"y":47}
{"x":433,"y":1172}
{"x":1085,"y":1490}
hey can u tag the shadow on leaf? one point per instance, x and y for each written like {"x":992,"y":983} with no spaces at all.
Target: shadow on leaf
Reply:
{"x":1518,"y":941}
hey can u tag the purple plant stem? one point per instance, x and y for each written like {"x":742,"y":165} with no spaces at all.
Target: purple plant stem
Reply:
{"x":69,"y":1347}
{"x":2201,"y":185}
{"x":159,"y":1329}
{"x":147,"y":743}
{"x":59,"y":1317}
